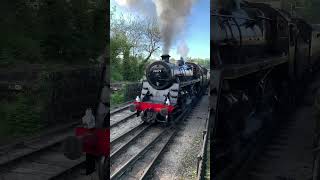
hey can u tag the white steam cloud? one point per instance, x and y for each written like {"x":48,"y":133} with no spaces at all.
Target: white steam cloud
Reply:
{"x":171,"y":15}
{"x":183,"y":49}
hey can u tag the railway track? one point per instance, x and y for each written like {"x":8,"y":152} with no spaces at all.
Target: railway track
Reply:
{"x":122,"y":125}
{"x":134,"y":154}
{"x":120,"y":108}
{"x":38,"y":158}
{"x":145,"y":149}
{"x":134,"y":151}
{"x":42,"y":157}
{"x":118,"y":118}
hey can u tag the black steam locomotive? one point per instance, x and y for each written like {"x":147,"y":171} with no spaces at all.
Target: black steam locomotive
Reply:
{"x":168,"y":89}
{"x":260,"y":56}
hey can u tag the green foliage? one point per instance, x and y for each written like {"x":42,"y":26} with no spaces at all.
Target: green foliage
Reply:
{"x":124,"y":67}
{"x":117,"y":98}
{"x":133,"y":40}
{"x":21,"y":116}
{"x":51,"y":30}
{"x":24,"y":115}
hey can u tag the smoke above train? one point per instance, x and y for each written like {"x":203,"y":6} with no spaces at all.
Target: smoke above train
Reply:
{"x":171,"y":17}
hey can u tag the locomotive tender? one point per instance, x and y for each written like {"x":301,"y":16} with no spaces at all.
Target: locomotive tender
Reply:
{"x":168,"y":89}
{"x":260,"y":58}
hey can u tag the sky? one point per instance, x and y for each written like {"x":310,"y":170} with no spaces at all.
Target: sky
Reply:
{"x":196,"y":33}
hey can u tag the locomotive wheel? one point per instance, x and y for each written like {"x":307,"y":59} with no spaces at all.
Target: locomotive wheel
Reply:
{"x":149,"y":116}
{"x":103,"y":168}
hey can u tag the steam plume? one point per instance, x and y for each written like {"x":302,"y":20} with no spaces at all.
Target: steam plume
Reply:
{"x":172,"y":16}
{"x":183,"y":49}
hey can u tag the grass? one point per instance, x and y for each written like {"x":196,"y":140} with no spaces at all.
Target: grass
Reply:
{"x":117,"y":98}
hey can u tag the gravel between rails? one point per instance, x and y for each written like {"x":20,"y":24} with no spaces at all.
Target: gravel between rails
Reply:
{"x":180,"y":160}
{"x":147,"y":161}
{"x":138,"y":144}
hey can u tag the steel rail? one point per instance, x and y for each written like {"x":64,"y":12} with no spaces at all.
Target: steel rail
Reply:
{"x":125,"y":146}
{"x":151,"y":165}
{"x":158,"y":155}
{"x":121,"y":108}
{"x":132,"y":160}
{"x":122,"y":120}
{"x":123,"y":135}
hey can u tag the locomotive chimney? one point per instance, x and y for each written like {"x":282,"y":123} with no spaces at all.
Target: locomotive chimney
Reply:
{"x":165,"y":58}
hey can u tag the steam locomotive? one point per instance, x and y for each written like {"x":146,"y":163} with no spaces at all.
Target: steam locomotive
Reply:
{"x":168,"y":89}
{"x":260,"y":59}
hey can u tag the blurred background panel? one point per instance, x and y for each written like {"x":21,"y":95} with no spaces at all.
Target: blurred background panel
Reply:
{"x":49,"y":63}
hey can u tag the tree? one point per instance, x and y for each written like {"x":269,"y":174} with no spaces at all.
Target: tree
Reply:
{"x":57,"y":28}
{"x":142,"y":33}
{"x":133,"y":41}
{"x":19,"y":33}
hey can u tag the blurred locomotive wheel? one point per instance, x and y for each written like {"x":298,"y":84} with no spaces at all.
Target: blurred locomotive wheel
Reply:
{"x":148,"y":116}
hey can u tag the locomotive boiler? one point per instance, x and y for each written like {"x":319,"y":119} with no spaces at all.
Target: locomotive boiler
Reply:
{"x":260,"y":59}
{"x":169,"y":88}
{"x":162,"y":74}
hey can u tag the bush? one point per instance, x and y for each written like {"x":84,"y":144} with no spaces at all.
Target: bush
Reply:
{"x":25,"y":117}
{"x":22,"y":113}
{"x":117,"y":98}
{"x":22,"y":116}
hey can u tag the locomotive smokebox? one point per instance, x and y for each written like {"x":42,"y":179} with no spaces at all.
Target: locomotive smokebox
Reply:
{"x":165,"y":58}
